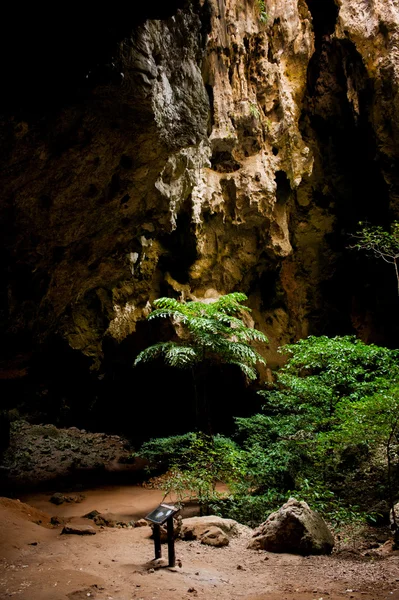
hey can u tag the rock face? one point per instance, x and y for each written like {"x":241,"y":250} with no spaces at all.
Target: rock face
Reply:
{"x":40,"y":453}
{"x":294,"y":528}
{"x":192,"y":151}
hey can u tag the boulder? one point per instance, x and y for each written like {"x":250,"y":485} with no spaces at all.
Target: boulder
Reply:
{"x":141,"y":523}
{"x":79,"y":529}
{"x":104,"y":520}
{"x":391,"y":519}
{"x":91,"y":515}
{"x":195,"y":527}
{"x":57,"y":498}
{"x":294,"y":528}
{"x":214,"y":536}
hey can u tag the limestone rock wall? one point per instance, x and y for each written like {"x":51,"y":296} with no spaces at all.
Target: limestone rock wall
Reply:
{"x":223,"y":147}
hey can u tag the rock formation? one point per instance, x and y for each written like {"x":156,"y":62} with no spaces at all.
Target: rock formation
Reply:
{"x":294,"y":528}
{"x":192,"y":151}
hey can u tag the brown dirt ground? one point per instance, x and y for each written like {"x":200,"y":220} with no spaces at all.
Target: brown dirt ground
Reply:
{"x":38,"y":563}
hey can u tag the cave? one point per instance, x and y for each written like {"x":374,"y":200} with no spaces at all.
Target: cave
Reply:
{"x":192,"y":149}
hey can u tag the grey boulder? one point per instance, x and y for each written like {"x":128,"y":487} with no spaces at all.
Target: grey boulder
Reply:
{"x":294,"y":528}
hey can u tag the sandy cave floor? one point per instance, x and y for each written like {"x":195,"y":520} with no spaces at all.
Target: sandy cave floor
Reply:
{"x":38,"y":563}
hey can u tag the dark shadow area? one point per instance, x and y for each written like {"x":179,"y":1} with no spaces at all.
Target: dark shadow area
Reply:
{"x":324,"y":14}
{"x":358,"y":295}
{"x":57,"y":387}
{"x":180,"y":246}
{"x":283,"y":187}
{"x":47,"y":53}
{"x":152,"y":400}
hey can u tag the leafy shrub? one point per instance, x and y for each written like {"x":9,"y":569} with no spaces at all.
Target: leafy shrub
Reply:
{"x":195,"y":463}
{"x":314,"y":425}
{"x":163,"y":452}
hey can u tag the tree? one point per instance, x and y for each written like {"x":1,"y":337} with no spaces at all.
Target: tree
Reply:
{"x":321,"y":376}
{"x":374,"y":420}
{"x":382,"y":244}
{"x":208,"y":333}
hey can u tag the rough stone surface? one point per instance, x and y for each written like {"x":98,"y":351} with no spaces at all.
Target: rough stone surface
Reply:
{"x":212,"y":151}
{"x":141,"y":523}
{"x":39,"y":453}
{"x":78,"y":530}
{"x":195,"y":527}
{"x":214,"y":536}
{"x":294,"y":528}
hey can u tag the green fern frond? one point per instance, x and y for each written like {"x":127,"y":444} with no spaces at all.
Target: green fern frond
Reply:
{"x":199,"y":325}
{"x":181,"y":356}
{"x":230,"y":304}
{"x":162,"y":313}
{"x":168,"y":303}
{"x":214,"y":332}
{"x":250,"y":372}
{"x":254,"y":335}
{"x":152,"y":352}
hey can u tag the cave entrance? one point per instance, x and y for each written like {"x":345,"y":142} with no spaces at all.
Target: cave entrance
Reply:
{"x":133,"y":390}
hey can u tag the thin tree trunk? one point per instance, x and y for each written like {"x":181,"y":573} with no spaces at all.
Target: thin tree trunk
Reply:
{"x":395,"y":262}
{"x":196,"y":399}
{"x":389,"y":465}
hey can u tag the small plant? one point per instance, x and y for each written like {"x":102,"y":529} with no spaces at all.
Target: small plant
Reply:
{"x":254,"y":111}
{"x":262,"y":11}
{"x":380,"y":243}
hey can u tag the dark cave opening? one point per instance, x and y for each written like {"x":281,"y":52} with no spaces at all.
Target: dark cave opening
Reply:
{"x":180,"y":246}
{"x":211,"y":123}
{"x":283,"y":187}
{"x":224,"y":162}
{"x":153,"y":400}
{"x":350,"y":185}
{"x":324,"y":14}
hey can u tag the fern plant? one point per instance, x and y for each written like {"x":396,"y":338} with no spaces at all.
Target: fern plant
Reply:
{"x":208,"y":333}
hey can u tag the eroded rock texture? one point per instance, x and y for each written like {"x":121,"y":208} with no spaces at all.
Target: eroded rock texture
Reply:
{"x":192,"y":151}
{"x":294,"y":528}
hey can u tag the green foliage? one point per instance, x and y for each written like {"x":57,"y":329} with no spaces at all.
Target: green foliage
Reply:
{"x":254,"y":111}
{"x":318,"y":393}
{"x":212,"y":332}
{"x":161,"y":453}
{"x":334,"y":408}
{"x":374,"y":419}
{"x":196,"y":462}
{"x":380,"y":243}
{"x":262,"y":11}
{"x":249,"y":509}
{"x":322,"y":371}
